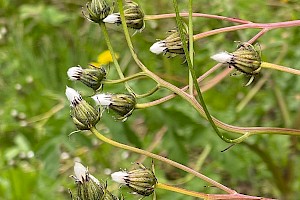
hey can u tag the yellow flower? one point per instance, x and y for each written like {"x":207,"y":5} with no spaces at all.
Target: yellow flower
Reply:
{"x":104,"y":58}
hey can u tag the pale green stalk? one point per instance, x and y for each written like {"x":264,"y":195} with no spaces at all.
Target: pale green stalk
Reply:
{"x":163,"y":159}
{"x":110,"y":48}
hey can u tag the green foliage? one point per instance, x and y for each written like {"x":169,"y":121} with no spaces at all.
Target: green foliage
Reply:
{"x":45,"y":38}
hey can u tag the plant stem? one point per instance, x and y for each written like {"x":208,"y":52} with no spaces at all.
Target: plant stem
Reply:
{"x":280,"y":68}
{"x":152,"y":91}
{"x":191,"y":46}
{"x":134,"y":76}
{"x":192,"y":100}
{"x":193,"y":74}
{"x":267,"y":26}
{"x":172,"y":15}
{"x":163,"y":159}
{"x":110,"y":48}
{"x":182,"y":191}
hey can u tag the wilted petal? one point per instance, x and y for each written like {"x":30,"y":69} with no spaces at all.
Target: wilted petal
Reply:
{"x":74,"y":73}
{"x":119,"y":177}
{"x":158,"y":47}
{"x":80,"y":172}
{"x":73,"y":96}
{"x":113,"y":18}
{"x":102,"y":99}
{"x":222,"y":57}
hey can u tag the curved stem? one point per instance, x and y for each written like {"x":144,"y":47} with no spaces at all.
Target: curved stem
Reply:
{"x":280,"y":68}
{"x":163,"y":159}
{"x":181,"y":190}
{"x":171,"y":96}
{"x":193,"y":74}
{"x":268,"y":26}
{"x":208,"y":196}
{"x":152,"y":91}
{"x":134,"y":76}
{"x":172,"y":15}
{"x":110,"y":48}
{"x":192,"y":100}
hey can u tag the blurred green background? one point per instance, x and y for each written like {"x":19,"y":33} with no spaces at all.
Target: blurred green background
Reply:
{"x":40,"y":40}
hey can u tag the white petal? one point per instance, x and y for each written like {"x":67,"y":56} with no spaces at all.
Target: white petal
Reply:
{"x":113,"y":18}
{"x":158,"y":47}
{"x":72,"y":95}
{"x":94,"y":179}
{"x":102,"y":99}
{"x":222,"y":57}
{"x":74,"y":73}
{"x":119,"y":177}
{"x":80,"y":171}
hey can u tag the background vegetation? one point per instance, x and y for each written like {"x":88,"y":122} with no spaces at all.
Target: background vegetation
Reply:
{"x":40,"y":40}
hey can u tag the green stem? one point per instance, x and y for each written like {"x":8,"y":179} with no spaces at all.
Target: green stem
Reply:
{"x":181,"y":191}
{"x":192,"y":70}
{"x":127,"y":36}
{"x":193,"y":101}
{"x":280,"y":68}
{"x":110,"y":48}
{"x":191,"y":46}
{"x":163,"y":159}
{"x":172,"y":15}
{"x":152,"y":91}
{"x":134,"y":76}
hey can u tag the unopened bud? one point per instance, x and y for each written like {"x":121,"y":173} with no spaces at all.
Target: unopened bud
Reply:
{"x":97,"y":10}
{"x":91,"y":77}
{"x":172,"y":45}
{"x":122,"y":104}
{"x":134,"y":16}
{"x":89,"y":187}
{"x":83,"y":114}
{"x":141,"y":180}
{"x":245,"y":59}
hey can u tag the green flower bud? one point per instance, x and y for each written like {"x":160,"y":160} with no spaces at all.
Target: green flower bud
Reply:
{"x":171,"y":46}
{"x":134,"y":16}
{"x":141,"y":180}
{"x":88,"y":187}
{"x":122,"y":104}
{"x":246,"y":59}
{"x":97,"y":10}
{"x":91,"y":77}
{"x":83,"y":114}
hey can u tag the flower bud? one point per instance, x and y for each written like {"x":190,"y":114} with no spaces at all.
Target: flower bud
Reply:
{"x":245,"y":59}
{"x":88,"y":187}
{"x":97,"y":10}
{"x":91,"y":77}
{"x":141,"y":180}
{"x":122,"y":104}
{"x":134,"y":16}
{"x":172,"y":45}
{"x":83,"y":114}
